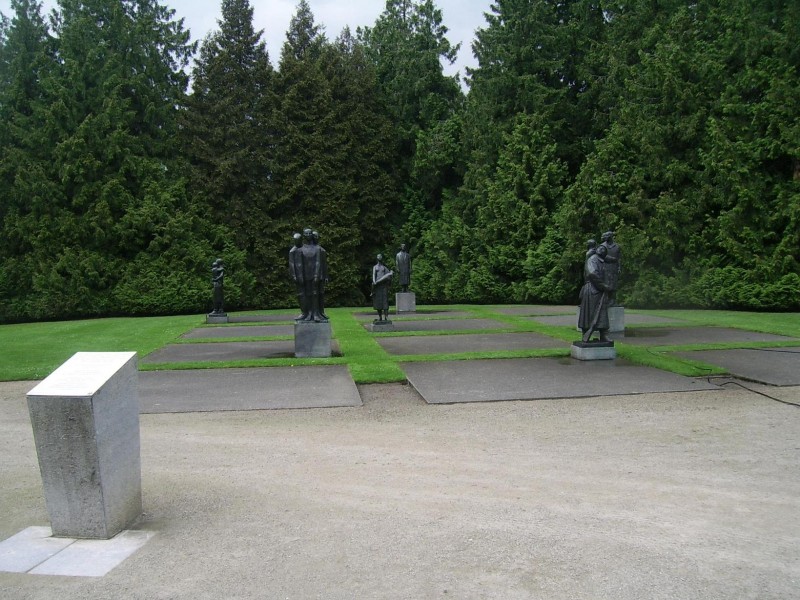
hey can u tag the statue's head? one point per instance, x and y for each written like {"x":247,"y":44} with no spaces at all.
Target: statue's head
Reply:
{"x":380,"y":257}
{"x":602,"y":251}
{"x":217,"y":262}
{"x":307,"y":234}
{"x":315,"y":236}
{"x":297,"y":239}
{"x":402,"y":247}
{"x":608,"y":236}
{"x":591,"y":244}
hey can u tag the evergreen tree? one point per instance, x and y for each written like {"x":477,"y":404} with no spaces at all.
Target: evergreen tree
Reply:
{"x":229,"y":138}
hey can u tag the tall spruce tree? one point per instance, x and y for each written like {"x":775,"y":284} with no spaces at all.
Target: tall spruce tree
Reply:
{"x":26,"y":52}
{"x":106,"y":217}
{"x":407,"y":45}
{"x":229,"y":138}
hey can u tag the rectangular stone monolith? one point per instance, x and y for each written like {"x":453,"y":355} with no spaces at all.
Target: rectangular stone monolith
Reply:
{"x":405,"y":302}
{"x":312,"y":339}
{"x":85,"y":419}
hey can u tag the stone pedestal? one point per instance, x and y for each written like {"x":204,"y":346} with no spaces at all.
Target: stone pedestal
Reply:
{"x":593,"y":350}
{"x":85,"y":419}
{"x":616,"y":319}
{"x":216,"y":318}
{"x":405,"y":302}
{"x":381,"y":326}
{"x":312,"y":340}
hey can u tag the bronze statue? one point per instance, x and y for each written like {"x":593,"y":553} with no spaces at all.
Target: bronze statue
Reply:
{"x":403,"y":265}
{"x":296,"y":273}
{"x":307,"y":266}
{"x":217,"y":282}
{"x":613,"y":262}
{"x":323,"y":275}
{"x":593,"y":315}
{"x":381,"y":280}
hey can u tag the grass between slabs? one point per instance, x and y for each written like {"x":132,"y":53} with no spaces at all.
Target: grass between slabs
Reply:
{"x":33,"y":350}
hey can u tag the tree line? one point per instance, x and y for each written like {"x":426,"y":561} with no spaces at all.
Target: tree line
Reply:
{"x":133,"y":157}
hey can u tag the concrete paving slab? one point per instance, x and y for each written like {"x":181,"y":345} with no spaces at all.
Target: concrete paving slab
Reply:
{"x":571,"y":320}
{"x":34,"y":551}
{"x":93,"y":558}
{"x":29,"y":548}
{"x":239,"y":332}
{"x":470,"y":342}
{"x":773,"y":366}
{"x":663,"y":336}
{"x":207,"y":390}
{"x":288,"y":316}
{"x":221,"y":351}
{"x":535,"y":309}
{"x":368,"y":315}
{"x":446,"y":324}
{"x":538,"y":378}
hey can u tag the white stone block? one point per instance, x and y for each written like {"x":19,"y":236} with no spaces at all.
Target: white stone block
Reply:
{"x":85,"y":419}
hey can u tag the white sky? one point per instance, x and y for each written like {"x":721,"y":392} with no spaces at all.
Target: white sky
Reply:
{"x":461,"y":17}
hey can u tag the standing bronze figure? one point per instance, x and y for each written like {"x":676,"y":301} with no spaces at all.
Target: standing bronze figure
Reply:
{"x":308,"y":268}
{"x":613,"y":265}
{"x":381,"y":280}
{"x":217,"y":282}
{"x":593,"y":315}
{"x":403,"y":265}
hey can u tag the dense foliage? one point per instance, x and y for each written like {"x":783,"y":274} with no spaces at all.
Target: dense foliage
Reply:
{"x":674,"y":123}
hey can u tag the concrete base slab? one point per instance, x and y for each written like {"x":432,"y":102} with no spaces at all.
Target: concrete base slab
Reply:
{"x":447,"y":324}
{"x":238,"y":332}
{"x":773,"y":366}
{"x":34,"y":551}
{"x":538,"y":378}
{"x":220,"y":352}
{"x":405,"y":302}
{"x":290,"y":316}
{"x":571,"y":320}
{"x":29,"y":548}
{"x":593,"y":351}
{"x":469,"y":342}
{"x":216,"y":319}
{"x":381,"y":327}
{"x":206,"y":390}
{"x":535,"y":309}
{"x":678,"y":336}
{"x":420,"y":312}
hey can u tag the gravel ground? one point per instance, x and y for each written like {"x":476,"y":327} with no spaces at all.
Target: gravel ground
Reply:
{"x":689,"y":495}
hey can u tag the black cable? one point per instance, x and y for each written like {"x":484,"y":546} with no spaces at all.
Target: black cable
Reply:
{"x":744,"y":387}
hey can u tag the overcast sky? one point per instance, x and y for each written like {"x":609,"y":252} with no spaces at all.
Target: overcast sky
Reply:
{"x":461,"y":17}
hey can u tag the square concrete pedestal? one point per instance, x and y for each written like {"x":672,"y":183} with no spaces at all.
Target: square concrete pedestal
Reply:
{"x":381,"y":326}
{"x":593,"y":350}
{"x":405,"y":302}
{"x":85,"y":419}
{"x":216,"y":318}
{"x":616,"y":319}
{"x":312,"y":340}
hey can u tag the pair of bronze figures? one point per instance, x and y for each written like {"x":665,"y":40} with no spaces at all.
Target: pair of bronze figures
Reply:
{"x":600,"y":275}
{"x":308,"y":267}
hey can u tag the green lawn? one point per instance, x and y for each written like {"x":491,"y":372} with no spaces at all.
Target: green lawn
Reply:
{"x":33,"y":350}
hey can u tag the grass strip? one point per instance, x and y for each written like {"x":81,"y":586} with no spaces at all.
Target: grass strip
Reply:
{"x":34,"y":350}
{"x":366,"y":360}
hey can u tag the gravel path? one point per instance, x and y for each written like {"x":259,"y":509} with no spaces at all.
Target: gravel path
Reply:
{"x":688,"y":495}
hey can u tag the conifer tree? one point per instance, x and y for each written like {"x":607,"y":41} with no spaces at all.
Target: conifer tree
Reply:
{"x":229,"y":138}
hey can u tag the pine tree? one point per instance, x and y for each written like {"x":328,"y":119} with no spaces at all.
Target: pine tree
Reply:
{"x":229,"y":138}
